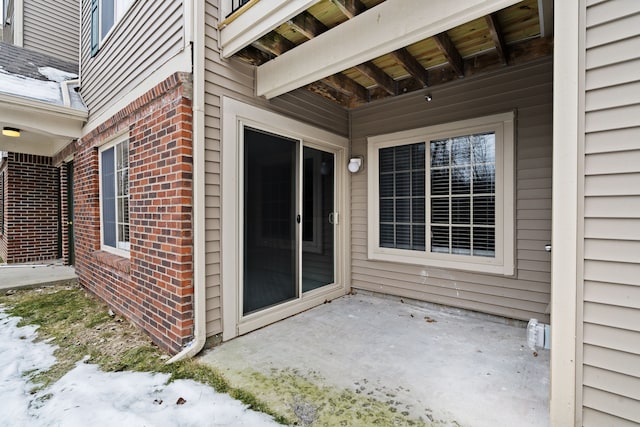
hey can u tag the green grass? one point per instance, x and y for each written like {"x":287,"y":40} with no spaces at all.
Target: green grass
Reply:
{"x":80,"y":325}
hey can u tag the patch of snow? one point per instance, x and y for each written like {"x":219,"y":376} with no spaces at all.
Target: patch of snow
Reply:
{"x":14,"y":84}
{"x":121,"y":398}
{"x":56,"y":75}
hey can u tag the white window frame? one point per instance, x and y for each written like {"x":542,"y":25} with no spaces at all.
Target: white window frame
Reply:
{"x":125,"y":250}
{"x":120,"y":8}
{"x":503,"y":262}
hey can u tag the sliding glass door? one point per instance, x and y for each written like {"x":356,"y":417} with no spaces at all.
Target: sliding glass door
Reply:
{"x":288,"y":220}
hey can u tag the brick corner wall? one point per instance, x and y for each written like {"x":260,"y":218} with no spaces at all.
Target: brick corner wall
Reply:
{"x":154,"y":286}
{"x":31,"y":223}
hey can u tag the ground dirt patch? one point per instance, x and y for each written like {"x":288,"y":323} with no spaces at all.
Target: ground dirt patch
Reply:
{"x":82,"y":327}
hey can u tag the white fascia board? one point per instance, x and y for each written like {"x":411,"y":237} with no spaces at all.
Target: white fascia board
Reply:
{"x":257,"y":21}
{"x":382,"y":29}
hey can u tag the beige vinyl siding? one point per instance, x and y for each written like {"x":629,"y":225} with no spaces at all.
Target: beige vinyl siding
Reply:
{"x":52,"y":27}
{"x":611,"y":290}
{"x":149,"y":34}
{"x":236,"y":79}
{"x":527,"y":89}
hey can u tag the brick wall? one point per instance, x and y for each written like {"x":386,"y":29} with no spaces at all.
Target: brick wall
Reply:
{"x":31,"y":208}
{"x":154,"y":287}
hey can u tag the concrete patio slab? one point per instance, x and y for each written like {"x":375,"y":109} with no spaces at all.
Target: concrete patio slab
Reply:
{"x":351,"y":361}
{"x":16,"y":276}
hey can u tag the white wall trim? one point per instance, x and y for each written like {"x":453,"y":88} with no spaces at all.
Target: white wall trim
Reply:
{"x":380,"y":30}
{"x":234,"y":114}
{"x":257,"y":21}
{"x":568,"y":132}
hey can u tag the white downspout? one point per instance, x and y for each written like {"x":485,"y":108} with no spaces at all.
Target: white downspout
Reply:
{"x":196,"y":33}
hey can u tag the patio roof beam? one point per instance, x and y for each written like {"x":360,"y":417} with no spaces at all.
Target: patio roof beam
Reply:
{"x":450,"y":52}
{"x":375,"y":32}
{"x":376,"y":74}
{"x":273,"y":43}
{"x":411,"y":65}
{"x":497,"y":36}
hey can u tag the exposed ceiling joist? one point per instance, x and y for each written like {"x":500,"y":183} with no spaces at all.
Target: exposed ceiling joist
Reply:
{"x":389,"y":26}
{"x":307,"y":25}
{"x":381,"y":78}
{"x":497,"y":36}
{"x":411,"y":65}
{"x":350,"y":8}
{"x":273,"y":43}
{"x":346,"y":85}
{"x":450,"y":52}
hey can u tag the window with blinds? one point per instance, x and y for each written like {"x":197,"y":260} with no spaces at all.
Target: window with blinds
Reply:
{"x":402,"y":197}
{"x":462,"y":195}
{"x":443,"y":195}
{"x":114,"y":196}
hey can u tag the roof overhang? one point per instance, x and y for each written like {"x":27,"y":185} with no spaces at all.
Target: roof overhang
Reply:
{"x":45,"y":128}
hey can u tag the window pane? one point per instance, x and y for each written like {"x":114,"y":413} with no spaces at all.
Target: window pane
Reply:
{"x":484,"y":179}
{"x":440,"y":210}
{"x":418,"y":237}
{"x":461,"y":210}
{"x":403,"y":210}
{"x":461,"y":240}
{"x":484,"y":148}
{"x":461,"y":180}
{"x":418,"y":156}
{"x":417,"y":210}
{"x":461,"y":151}
{"x":403,"y":236}
{"x":439,"y":182}
{"x":484,"y":242}
{"x":440,"y":240}
{"x":386,"y":159}
{"x":484,"y":210}
{"x":108,"y":196}
{"x":386,"y":185}
{"x":403,"y":184}
{"x":386,"y":210}
{"x":403,"y":157}
{"x":107,"y":14}
{"x":440,"y":153}
{"x":387,"y":234}
{"x":417,"y":183}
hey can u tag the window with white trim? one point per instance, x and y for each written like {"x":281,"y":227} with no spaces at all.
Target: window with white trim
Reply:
{"x":104,"y":16}
{"x":443,"y":195}
{"x":114,"y":196}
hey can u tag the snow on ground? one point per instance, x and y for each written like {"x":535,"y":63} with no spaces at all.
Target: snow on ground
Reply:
{"x":87,"y":395}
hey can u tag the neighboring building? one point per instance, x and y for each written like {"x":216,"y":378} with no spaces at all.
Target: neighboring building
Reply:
{"x":37,"y":25}
{"x":212,"y":194}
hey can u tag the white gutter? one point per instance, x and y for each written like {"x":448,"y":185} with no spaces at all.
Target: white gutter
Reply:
{"x":197,"y":33}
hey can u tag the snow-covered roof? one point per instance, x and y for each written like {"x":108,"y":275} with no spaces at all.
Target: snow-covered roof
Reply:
{"x":33,"y":75}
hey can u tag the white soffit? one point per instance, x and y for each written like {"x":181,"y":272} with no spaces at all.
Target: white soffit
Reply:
{"x":382,"y":29}
{"x":257,"y":21}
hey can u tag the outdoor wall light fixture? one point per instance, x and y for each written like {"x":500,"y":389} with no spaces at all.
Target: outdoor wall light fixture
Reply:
{"x":355,"y":164}
{"x":12,"y":132}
